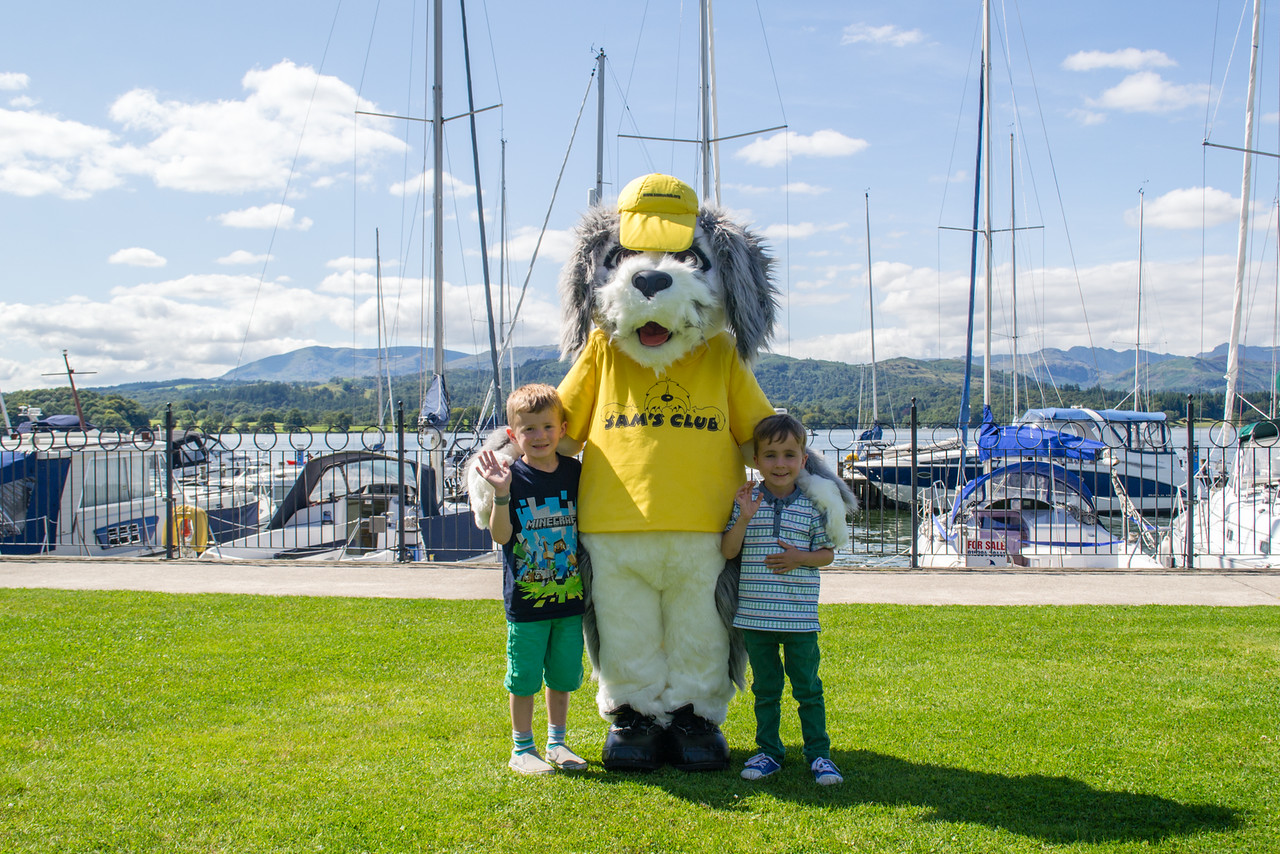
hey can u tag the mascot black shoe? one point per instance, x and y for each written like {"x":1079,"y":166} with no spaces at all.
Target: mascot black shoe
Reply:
{"x":693,"y":743}
{"x":634,"y":742}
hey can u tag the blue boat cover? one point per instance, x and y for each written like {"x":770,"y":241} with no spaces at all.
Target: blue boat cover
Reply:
{"x":1029,"y":440}
{"x":31,"y":495}
{"x":1072,"y":414}
{"x":435,"y":406}
{"x":52,"y":424}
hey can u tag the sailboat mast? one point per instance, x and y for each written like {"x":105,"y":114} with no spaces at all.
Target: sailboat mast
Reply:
{"x":1237,"y":303}
{"x":377,"y":255}
{"x":871,"y":314}
{"x":1275,"y":324}
{"x":704,"y":141}
{"x":1137,"y":332}
{"x":715,"y":108}
{"x":986,"y":228}
{"x":598,"y":196}
{"x":502,"y":266}
{"x":1013,"y":274}
{"x":75,"y":395}
{"x":484,"y":246}
{"x":437,"y":188}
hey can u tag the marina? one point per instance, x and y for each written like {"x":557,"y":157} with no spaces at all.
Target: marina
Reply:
{"x":121,"y":495}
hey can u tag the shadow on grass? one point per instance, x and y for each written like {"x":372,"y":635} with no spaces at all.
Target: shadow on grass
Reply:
{"x":1051,"y":809}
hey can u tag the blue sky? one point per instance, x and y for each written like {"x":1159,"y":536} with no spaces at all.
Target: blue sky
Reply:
{"x":185,"y":188}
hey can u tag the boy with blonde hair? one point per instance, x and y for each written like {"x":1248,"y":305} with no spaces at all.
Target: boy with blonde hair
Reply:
{"x":534,"y":519}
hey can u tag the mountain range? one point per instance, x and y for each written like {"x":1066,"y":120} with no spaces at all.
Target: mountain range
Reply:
{"x":1081,"y":366}
{"x":321,"y":364}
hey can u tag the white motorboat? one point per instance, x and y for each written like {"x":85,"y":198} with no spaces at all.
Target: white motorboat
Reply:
{"x":1028,"y":511}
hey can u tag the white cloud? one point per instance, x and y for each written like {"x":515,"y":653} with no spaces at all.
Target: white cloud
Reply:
{"x":781,"y":147}
{"x":961,"y":176}
{"x":1187,"y":208}
{"x":226,"y":319}
{"x":265,"y":216}
{"x":1129,"y":59}
{"x":797,"y":188}
{"x":1148,"y":92}
{"x":130,"y":333}
{"x":13,"y":81}
{"x":256,"y":143}
{"x":223,"y":146}
{"x":136,"y":256}
{"x":22,"y":102}
{"x":799,"y":230}
{"x":557,"y":245}
{"x":800,"y":188}
{"x":349,"y":263}
{"x":887,"y":34}
{"x":1088,"y":117}
{"x":41,"y":154}
{"x":423,"y":183}
{"x":242,"y":257}
{"x":921,"y":313}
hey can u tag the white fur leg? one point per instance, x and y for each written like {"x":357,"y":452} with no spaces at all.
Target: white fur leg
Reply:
{"x":696,"y":640}
{"x":662,"y":644}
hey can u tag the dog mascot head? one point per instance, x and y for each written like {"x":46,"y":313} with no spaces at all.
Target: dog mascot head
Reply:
{"x":659,"y":277}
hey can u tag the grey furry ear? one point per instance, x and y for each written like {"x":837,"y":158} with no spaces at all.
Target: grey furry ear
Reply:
{"x":594,"y":236}
{"x":744,"y":269}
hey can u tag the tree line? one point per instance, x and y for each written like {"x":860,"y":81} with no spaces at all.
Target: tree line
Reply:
{"x":822,"y":394}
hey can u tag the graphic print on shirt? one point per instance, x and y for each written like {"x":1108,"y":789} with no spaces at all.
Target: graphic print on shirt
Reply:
{"x":546,"y":550}
{"x":667,"y":406}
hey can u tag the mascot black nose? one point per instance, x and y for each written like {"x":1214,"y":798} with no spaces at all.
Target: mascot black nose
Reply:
{"x":649,"y":282}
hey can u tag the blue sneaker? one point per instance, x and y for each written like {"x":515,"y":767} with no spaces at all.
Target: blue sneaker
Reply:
{"x":760,"y":766}
{"x":825,"y":772}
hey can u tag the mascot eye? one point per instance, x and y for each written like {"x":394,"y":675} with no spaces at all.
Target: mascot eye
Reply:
{"x":694,"y":258}
{"x":620,"y":254}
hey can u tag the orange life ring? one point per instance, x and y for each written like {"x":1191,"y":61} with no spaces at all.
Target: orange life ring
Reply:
{"x":190,"y":528}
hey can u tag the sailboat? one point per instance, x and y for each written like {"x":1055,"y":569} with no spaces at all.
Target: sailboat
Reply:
{"x":387,"y":506}
{"x":1141,"y":472}
{"x":1029,"y":509}
{"x":69,"y":488}
{"x":1239,"y":525}
{"x":1019,"y":503}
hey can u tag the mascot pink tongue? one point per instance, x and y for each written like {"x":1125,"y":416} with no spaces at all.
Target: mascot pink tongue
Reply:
{"x":653,"y":334}
{"x":663,"y":305}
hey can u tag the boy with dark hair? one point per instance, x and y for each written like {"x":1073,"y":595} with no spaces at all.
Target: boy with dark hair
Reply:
{"x":782,"y":539}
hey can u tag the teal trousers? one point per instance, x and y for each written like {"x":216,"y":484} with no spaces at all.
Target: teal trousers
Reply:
{"x":795,"y":656}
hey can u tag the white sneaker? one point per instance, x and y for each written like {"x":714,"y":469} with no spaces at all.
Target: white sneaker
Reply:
{"x":564,"y":758}
{"x":529,"y":763}
{"x":825,"y":772}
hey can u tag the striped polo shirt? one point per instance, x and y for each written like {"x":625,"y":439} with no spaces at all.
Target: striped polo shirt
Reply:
{"x":779,"y":602}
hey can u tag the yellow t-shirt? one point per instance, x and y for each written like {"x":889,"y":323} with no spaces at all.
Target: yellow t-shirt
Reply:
{"x":661,"y":450}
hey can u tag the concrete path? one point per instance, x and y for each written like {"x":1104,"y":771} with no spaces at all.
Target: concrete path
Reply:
{"x":484,"y":581}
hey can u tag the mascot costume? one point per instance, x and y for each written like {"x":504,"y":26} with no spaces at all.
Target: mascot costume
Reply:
{"x":664,"y":307}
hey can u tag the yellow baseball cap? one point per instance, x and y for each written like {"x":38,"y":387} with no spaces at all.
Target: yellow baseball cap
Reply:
{"x":657,"y":214}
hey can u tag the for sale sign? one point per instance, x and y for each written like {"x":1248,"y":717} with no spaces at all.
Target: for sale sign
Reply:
{"x":985,"y":547}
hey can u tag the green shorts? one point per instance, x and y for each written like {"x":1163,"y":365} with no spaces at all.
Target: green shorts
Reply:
{"x":544,"y":650}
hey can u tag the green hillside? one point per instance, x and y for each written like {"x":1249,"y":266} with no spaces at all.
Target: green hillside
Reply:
{"x":824,"y":394}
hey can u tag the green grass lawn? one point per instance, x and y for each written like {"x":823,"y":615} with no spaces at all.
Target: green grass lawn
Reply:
{"x":150,"y":722}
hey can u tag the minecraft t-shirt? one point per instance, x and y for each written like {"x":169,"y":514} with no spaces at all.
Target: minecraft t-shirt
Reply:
{"x":540,"y":579}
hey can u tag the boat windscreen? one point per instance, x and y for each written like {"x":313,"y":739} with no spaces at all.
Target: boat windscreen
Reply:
{"x":1024,"y":487}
